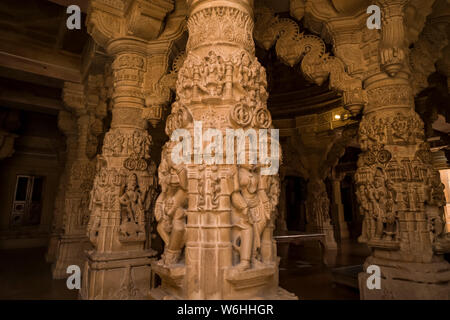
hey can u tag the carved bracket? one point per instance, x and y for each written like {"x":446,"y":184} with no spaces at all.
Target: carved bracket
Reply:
{"x":292,"y":46}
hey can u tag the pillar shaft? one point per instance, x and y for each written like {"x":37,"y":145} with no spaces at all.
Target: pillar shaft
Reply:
{"x":79,"y":174}
{"x":337,"y":210}
{"x":119,"y":265}
{"x":318,"y":211}
{"x":67,"y":124}
{"x":401,"y":195}
{"x":223,"y":209}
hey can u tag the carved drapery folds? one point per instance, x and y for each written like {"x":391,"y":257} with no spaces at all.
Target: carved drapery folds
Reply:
{"x":216,"y":219}
{"x":293,"y":46}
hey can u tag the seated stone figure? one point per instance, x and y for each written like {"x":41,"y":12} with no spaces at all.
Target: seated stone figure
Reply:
{"x":170,"y":207}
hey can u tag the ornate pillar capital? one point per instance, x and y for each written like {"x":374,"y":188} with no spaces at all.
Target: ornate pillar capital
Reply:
{"x":107,"y":20}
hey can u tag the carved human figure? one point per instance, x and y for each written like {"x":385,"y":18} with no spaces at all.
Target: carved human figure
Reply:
{"x":245,"y":71}
{"x":251,"y":212}
{"x":361,"y":193}
{"x":95,"y":204}
{"x":132,"y":226}
{"x":268,"y":247}
{"x":380,"y":196}
{"x":244,"y":183}
{"x":170,"y":206}
{"x":213,"y":73}
{"x":436,"y":202}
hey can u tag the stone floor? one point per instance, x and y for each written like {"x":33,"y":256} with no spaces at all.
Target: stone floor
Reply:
{"x":304,"y":275}
{"x":24,"y":274}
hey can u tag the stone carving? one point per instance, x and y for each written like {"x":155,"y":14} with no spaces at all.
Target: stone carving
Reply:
{"x":82,"y":126}
{"x":398,"y":129}
{"x":249,"y":210}
{"x":392,"y":44}
{"x":225,"y":23}
{"x":132,"y":219}
{"x":124,"y":185}
{"x":239,"y":77}
{"x":159,"y":84}
{"x":170,"y":207}
{"x":318,"y":204}
{"x":316,"y":65}
{"x":220,"y":214}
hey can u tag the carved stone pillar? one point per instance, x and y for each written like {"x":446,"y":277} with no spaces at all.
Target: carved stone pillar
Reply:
{"x":134,"y":36}
{"x":401,"y":195}
{"x":216,"y":219}
{"x":83,"y":101}
{"x":119,"y":266}
{"x":398,"y":189}
{"x":318,"y":153}
{"x":318,"y":211}
{"x":337,"y":208}
{"x":68,"y":126}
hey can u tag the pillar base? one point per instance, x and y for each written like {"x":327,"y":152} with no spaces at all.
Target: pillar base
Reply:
{"x":407,"y":280}
{"x":70,"y":251}
{"x":172,"y":282}
{"x":328,"y":230}
{"x":260,"y":283}
{"x":117,"y":276}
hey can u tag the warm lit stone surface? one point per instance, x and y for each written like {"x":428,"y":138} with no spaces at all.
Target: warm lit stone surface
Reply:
{"x":151,"y":66}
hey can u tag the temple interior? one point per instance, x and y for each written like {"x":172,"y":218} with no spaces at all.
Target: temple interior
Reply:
{"x":88,"y":116}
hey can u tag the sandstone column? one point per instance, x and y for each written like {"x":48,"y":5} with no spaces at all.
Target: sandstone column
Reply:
{"x":318,"y":211}
{"x":337,"y":208}
{"x":119,"y":266}
{"x":67,"y":124}
{"x":216,"y":217}
{"x":84,"y":102}
{"x":399,"y":191}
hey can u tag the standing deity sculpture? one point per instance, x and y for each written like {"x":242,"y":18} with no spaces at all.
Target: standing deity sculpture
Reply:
{"x":380,"y":196}
{"x":170,"y":206}
{"x":132,"y":225}
{"x":251,"y":215}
